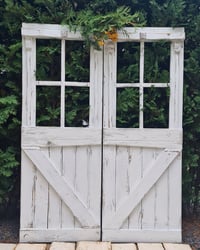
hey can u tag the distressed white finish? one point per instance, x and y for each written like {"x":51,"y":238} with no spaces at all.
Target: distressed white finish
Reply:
{"x":142,"y":167}
{"x":54,"y":137}
{"x":136,"y":34}
{"x":61,"y":167}
{"x":72,"y":176}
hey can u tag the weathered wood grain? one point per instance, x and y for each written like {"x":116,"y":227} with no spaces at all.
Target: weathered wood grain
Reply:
{"x":68,"y":195}
{"x":155,"y":138}
{"x":59,"y":31}
{"x":63,"y":234}
{"x":93,"y":246}
{"x":109,"y":105}
{"x":65,"y":171}
{"x":141,"y":89}
{"x":152,"y":246}
{"x":62,"y":246}
{"x":4,"y":246}
{"x":150,"y":177}
{"x":27,"y":246}
{"x":54,"y":137}
{"x":171,"y":246}
{"x":124,"y":246}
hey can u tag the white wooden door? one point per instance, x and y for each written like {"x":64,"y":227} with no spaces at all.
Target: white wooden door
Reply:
{"x":101,"y":182}
{"x":142,"y":166}
{"x":61,"y":166}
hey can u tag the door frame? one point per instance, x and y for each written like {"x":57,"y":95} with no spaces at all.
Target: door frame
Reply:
{"x":106,"y":57}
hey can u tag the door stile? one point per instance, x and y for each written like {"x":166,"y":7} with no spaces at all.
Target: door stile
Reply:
{"x":110,"y":65}
{"x":62,"y":97}
{"x":141,"y":89}
{"x":109,"y":121}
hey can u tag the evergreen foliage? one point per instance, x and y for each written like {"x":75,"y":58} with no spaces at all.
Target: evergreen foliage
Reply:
{"x":175,"y":13}
{"x":96,"y":26}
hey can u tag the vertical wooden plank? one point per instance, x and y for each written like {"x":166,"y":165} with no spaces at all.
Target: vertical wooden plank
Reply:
{"x":81,"y":176}
{"x":109,"y":121}
{"x":28,"y":87}
{"x":109,"y":105}
{"x":96,"y":82}
{"x":141,"y":91}
{"x":109,"y":182}
{"x":148,"y":202}
{"x":161,"y":201}
{"x":69,"y":169}
{"x":135,"y":173}
{"x":54,"y":201}
{"x":41,"y":198}
{"x":27,"y":192}
{"x":94,"y":180}
{"x":175,"y":121}
{"x":122,"y":177}
{"x":176,"y":85}
{"x":41,"y":201}
{"x":62,"y":96}
{"x":28,"y":172}
{"x":175,"y":194}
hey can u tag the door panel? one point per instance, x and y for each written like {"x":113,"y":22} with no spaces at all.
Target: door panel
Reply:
{"x":71,"y":176}
{"x":61,"y":166}
{"x":137,"y":162}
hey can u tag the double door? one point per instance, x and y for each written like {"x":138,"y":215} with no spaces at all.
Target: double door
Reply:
{"x":101,"y":182}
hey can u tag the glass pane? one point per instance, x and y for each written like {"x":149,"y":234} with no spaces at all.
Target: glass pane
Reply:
{"x":77,"y":61}
{"x":76,"y":106}
{"x":127,"y":108}
{"x":156,"y":107}
{"x":47,"y":106}
{"x":128,"y":55}
{"x":48,"y":60}
{"x":156,"y":62}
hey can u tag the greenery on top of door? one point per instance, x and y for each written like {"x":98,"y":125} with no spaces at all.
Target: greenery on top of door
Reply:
{"x":175,"y":13}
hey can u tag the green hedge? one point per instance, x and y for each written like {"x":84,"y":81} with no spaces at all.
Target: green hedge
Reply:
{"x":175,"y":13}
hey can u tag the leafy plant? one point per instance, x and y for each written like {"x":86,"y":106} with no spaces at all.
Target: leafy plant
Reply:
{"x":97,"y":27}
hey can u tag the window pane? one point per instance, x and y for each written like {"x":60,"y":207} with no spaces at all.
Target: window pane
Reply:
{"x":47,"y":106}
{"x":77,"y":61}
{"x":76,"y":106}
{"x":127,"y":108}
{"x":156,"y":107}
{"x":48,"y":60}
{"x":128,"y":55}
{"x":156,"y":62}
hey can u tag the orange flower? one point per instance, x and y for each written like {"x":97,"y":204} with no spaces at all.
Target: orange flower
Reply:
{"x":112,"y":35}
{"x":100,"y":42}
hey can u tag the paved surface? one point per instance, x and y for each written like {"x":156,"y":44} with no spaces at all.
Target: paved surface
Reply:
{"x":94,"y":246}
